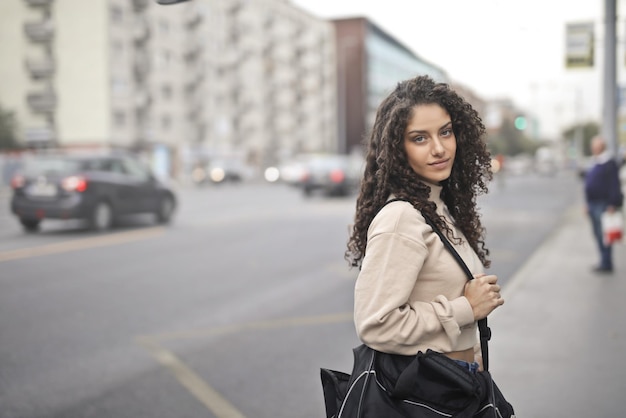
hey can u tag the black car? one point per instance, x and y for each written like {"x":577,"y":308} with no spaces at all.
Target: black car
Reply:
{"x":95,"y":188}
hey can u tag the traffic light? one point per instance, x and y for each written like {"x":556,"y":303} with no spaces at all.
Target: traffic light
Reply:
{"x":520,"y":123}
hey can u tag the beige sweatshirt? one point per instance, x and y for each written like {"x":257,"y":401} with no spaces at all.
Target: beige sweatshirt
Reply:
{"x":409,"y":292}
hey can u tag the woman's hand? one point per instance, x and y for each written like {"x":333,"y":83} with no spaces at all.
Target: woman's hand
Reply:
{"x":483,"y":293}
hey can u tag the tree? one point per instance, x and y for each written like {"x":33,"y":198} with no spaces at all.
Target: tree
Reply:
{"x":8,"y":130}
{"x":589,"y":130}
{"x":510,"y":140}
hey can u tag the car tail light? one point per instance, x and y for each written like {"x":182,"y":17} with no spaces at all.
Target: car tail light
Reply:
{"x":74,"y":184}
{"x":337,"y":176}
{"x":17,"y":182}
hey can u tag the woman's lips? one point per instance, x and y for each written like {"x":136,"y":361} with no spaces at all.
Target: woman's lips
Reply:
{"x":440,"y":163}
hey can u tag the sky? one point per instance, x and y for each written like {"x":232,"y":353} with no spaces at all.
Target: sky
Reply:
{"x":499,"y":48}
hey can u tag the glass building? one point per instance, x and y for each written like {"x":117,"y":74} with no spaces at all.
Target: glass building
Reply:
{"x":370,"y":63}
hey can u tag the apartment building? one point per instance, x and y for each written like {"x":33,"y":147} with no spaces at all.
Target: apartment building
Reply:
{"x":274,"y":83}
{"x":255,"y":78}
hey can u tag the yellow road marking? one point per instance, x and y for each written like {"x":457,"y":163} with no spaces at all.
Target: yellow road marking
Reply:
{"x":215,"y":402}
{"x":270,"y":324}
{"x":81,"y":244}
{"x":209,"y":397}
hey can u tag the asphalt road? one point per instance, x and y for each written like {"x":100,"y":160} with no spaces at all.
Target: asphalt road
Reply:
{"x":228,"y":312}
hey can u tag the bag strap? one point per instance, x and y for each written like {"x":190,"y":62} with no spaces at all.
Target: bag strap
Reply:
{"x":483,"y":328}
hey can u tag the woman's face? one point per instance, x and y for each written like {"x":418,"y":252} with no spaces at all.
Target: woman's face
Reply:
{"x":430,"y":143}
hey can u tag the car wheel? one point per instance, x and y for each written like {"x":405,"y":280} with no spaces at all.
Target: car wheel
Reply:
{"x":165,"y":210}
{"x":30,"y":225}
{"x":101,"y":217}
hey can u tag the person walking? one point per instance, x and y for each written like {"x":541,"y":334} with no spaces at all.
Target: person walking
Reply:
{"x":426,"y":158}
{"x":603,"y":193}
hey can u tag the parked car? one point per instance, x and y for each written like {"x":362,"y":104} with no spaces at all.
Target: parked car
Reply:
{"x":331,"y":174}
{"x":221,"y":170}
{"x":292,"y":172}
{"x":96,"y":188}
{"x":292,"y":169}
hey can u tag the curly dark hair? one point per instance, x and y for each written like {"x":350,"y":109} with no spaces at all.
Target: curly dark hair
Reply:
{"x":387,"y":170}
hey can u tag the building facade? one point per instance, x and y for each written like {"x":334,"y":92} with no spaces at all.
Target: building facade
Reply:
{"x":255,"y":78}
{"x":271,"y":80}
{"x":369,"y":65}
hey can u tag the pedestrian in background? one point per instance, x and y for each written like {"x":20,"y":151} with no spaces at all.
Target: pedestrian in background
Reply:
{"x":426,"y":157}
{"x":603,"y":193}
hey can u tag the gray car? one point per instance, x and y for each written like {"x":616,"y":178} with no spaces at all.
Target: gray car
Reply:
{"x":96,"y":188}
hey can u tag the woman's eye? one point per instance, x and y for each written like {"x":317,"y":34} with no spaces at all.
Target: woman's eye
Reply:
{"x":446,"y":132}
{"x":419,"y":139}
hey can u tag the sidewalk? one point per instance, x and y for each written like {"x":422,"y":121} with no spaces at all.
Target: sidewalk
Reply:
{"x":559,"y":341}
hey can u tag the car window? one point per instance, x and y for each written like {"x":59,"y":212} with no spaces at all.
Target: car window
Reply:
{"x":329,"y":162}
{"x":50,"y":166}
{"x":92,"y":165}
{"x":135,"y":169}
{"x":111,"y":166}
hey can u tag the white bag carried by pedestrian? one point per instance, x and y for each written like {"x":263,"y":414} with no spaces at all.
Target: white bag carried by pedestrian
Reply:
{"x":612,"y":227}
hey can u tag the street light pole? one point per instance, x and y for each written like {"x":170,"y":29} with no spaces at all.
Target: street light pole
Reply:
{"x":609,"y":122}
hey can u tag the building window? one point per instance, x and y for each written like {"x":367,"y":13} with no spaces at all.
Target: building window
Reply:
{"x":164,"y":27}
{"x":163,"y":59}
{"x":117,"y":14}
{"x":119,"y":86}
{"x":166,"y":122}
{"x":166,"y":91}
{"x":118,"y":48}
{"x":119,"y":119}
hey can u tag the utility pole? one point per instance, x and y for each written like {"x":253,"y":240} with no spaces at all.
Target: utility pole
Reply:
{"x":609,"y":122}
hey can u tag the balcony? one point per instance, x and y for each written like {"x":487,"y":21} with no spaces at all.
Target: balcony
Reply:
{"x":140,"y":5}
{"x":36,"y":3}
{"x":193,"y":115}
{"x":143,"y":99}
{"x":39,"y":31}
{"x":193,"y":50}
{"x":193,"y":84}
{"x":235,"y":7}
{"x":42,"y":102}
{"x":40,"y":68}
{"x":141,"y":66}
{"x":193,"y":20}
{"x":141,"y":31}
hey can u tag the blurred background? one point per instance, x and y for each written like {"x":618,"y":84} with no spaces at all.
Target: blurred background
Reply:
{"x":238,"y":126}
{"x":259,"y":83}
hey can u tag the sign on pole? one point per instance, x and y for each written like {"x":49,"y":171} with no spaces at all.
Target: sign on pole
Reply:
{"x":579,"y":42}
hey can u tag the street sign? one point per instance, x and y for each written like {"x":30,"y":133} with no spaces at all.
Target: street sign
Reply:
{"x":579,"y":50}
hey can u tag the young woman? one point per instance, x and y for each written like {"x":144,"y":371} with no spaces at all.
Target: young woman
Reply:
{"x":426,"y":157}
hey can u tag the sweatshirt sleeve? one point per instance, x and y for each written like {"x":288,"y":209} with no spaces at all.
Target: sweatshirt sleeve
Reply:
{"x":385,"y":318}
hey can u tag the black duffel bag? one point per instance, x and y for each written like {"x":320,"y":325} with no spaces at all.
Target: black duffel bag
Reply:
{"x":426,"y":385}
